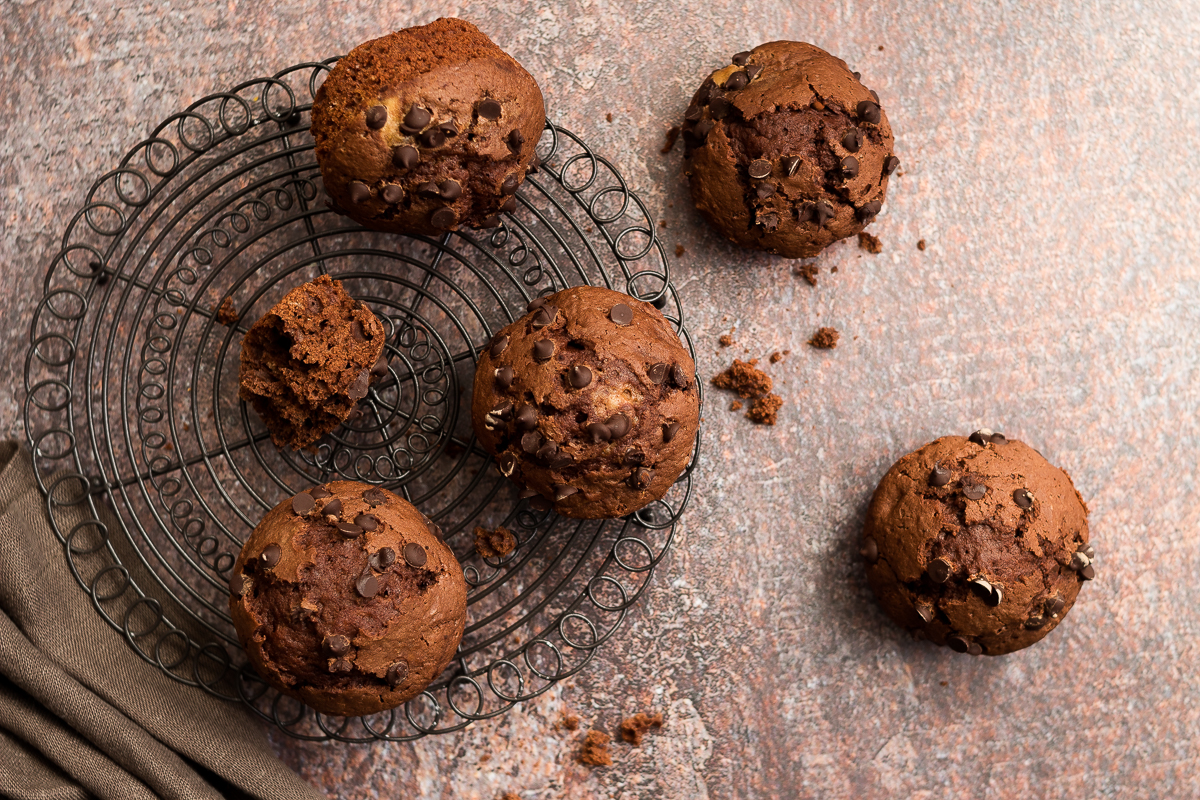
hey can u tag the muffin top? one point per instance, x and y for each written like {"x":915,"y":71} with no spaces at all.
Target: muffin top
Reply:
{"x":344,"y":599}
{"x":589,"y":401}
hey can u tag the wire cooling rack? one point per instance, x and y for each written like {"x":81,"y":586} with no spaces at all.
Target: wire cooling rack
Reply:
{"x":131,"y":398}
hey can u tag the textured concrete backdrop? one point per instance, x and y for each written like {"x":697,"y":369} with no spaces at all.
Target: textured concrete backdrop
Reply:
{"x":1049,"y":156}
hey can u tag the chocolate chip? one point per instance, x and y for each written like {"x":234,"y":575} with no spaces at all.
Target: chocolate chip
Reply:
{"x":367,"y":522}
{"x":957,"y":643}
{"x":349,"y":530}
{"x":702,"y":129}
{"x":1088,"y":551}
{"x":999,"y":439}
{"x":509,"y":205}
{"x":340,"y":665}
{"x":870,"y":209}
{"x":764,"y":190}
{"x":1055,"y":605}
{"x":599,"y":432}
{"x":503,"y":410}
{"x":392,"y":193}
{"x":531,"y":441}
{"x":974,"y":491}
{"x":450,"y":190}
{"x":679,"y":377}
{"x":405,"y":156}
{"x":359,"y":193}
{"x":579,"y":376}
{"x":1035,"y":622}
{"x":443,"y":219}
{"x":657,"y":373}
{"x":1023,"y":498}
{"x":449,"y":128}
{"x":382,"y":559}
{"x":718,"y":106}
{"x":874,"y":94}
{"x":925,"y":612}
{"x":381,"y":366}
{"x":1079,"y":561}
{"x":237,"y":584}
{"x":641,"y":478}
{"x":737,"y":80}
{"x":543,"y":317}
{"x":759,"y":168}
{"x":939,"y":475}
{"x":857,"y":75}
{"x":849,"y":167}
{"x":543,"y":349}
{"x":510,"y":184}
{"x":515,"y":140}
{"x":320,"y":493}
{"x":633,"y":457}
{"x":535,"y":304}
{"x":852,"y":141}
{"x":488,"y":109}
{"x":1088,"y":573}
{"x":991,"y":595}
{"x":415,"y":120}
{"x":741,"y":58}
{"x":527,"y":417}
{"x":374,"y":497}
{"x":562,"y":491}
{"x":366,"y":585}
{"x":499,"y":345}
{"x":868,"y":111}
{"x":432,"y":138}
{"x":505,"y":377}
{"x":769,"y":220}
{"x":753,"y":70}
{"x":938,"y":570}
{"x":396,"y":673}
{"x":358,"y":389}
{"x":547,"y":451}
{"x":337,"y":644}
{"x":789,"y":164}
{"x":376,"y":117}
{"x":332,"y":508}
{"x":890,"y":165}
{"x":415,"y":555}
{"x":669,"y":431}
{"x":429,"y":189}
{"x":490,"y":221}
{"x":621,"y":314}
{"x":974,"y":649}
{"x":302,"y":504}
{"x":618,"y":424}
{"x":693,"y":113}
{"x":869,"y":550}
{"x":506,"y":463}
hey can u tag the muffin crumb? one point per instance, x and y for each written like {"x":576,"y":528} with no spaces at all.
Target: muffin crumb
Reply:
{"x":570,"y":722}
{"x":745,"y":378}
{"x":726,"y":340}
{"x":595,"y":750}
{"x":825,"y":338}
{"x":808,"y":272}
{"x":736,"y":405}
{"x":635,"y":728}
{"x":495,"y":542}
{"x":870,"y":243}
{"x":921,"y":244}
{"x":765,"y":410}
{"x":679,"y":250}
{"x":227,"y":313}
{"x":672,"y":136}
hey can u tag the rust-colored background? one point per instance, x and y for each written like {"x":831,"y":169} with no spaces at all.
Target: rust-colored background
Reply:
{"x":1049,"y":154}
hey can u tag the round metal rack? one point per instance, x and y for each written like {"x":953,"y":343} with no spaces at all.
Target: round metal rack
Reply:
{"x":155,"y":472}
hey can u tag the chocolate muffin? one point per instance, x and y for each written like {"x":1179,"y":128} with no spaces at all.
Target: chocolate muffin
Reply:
{"x":344,"y":599}
{"x":786,"y":150}
{"x":309,"y":360}
{"x":589,"y":402}
{"x":426,"y":129}
{"x":977,"y":543}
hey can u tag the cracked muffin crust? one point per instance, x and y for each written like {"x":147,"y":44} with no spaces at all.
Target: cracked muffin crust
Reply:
{"x":786,"y":151}
{"x":426,"y":129}
{"x":309,"y":360}
{"x":344,"y":599}
{"x":589,"y":402}
{"x":977,"y":543}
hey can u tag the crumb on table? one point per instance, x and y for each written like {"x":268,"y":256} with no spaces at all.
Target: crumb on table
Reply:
{"x":494,"y":543}
{"x":510,"y":796}
{"x":595,"y":750}
{"x":745,"y":378}
{"x":777,"y":356}
{"x":672,"y":135}
{"x":765,"y":410}
{"x":825,"y":338}
{"x":726,"y":340}
{"x":608,"y":117}
{"x":736,"y":405}
{"x":679,"y":250}
{"x":870,"y":243}
{"x":227,"y":312}
{"x":920,"y":244}
{"x":570,"y":722}
{"x":635,"y":728}
{"x":808,"y":272}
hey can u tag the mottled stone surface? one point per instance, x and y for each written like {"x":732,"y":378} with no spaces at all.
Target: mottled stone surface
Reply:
{"x":1048,"y":155}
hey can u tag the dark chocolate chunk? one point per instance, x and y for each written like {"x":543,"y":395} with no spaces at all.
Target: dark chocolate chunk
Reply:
{"x":332,"y":509}
{"x":939,"y":475}
{"x":510,"y":184}
{"x":974,"y":491}
{"x":579,"y":376}
{"x":415,"y":120}
{"x":679,"y":377}
{"x":527,"y":417}
{"x":505,"y":377}
{"x":974,"y":649}
{"x":633,"y":457}
{"x":515,"y":140}
{"x":852,"y":141}
{"x":337,"y":644}
{"x":320,"y":493}
{"x":741,"y":58}
{"x":543,"y":316}
{"x":1088,"y":573}
{"x":999,"y":439}
{"x":641,"y":478}
{"x":547,"y":451}
{"x":957,"y":643}
{"x":737,"y":80}
{"x":669,"y":431}
{"x":359,"y":193}
{"x":429,"y":189}
{"x":531,"y":441}
{"x":1023,"y":498}
{"x":657,"y":373}
{"x":405,"y":156}
{"x":509,"y":205}
{"x":506,"y":463}
{"x":534,"y":304}
{"x":890,"y":165}
{"x":358,"y":389}
{"x":849,"y":167}
{"x":764,"y":190}
{"x":769,"y":220}
{"x":237,"y":584}
{"x":503,"y":410}
{"x":868,"y":111}
{"x":443,"y":218}
{"x":1055,"y":605}
{"x":397,"y":672}
{"x":392,"y":193}
{"x":488,"y":109}
{"x":374,"y":497}
{"x":562,"y":491}
{"x":753,"y":70}
{"x":621,"y":314}
{"x":693,"y":113}
{"x":718,"y":106}
{"x":869,"y":550}
{"x":925,"y":611}
{"x":938,"y":570}
{"x":367,"y":585}
{"x":499,"y":345}
{"x":490,"y":221}
{"x":991,"y":594}
{"x":870,"y":209}
{"x":368,"y":522}
{"x":349,"y":530}
{"x":340,"y":665}
{"x":303,"y":503}
{"x":376,"y":117}
{"x":415,"y":555}
{"x":599,"y":432}
{"x":789,"y":164}
{"x":450,"y":190}
{"x":821,"y":213}
{"x":449,"y":128}
{"x":433,"y":137}
{"x":759,"y":168}
{"x":543,"y":349}
{"x":618,"y":424}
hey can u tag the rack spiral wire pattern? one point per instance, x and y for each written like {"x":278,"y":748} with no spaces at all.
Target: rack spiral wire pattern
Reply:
{"x":154,"y":472}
